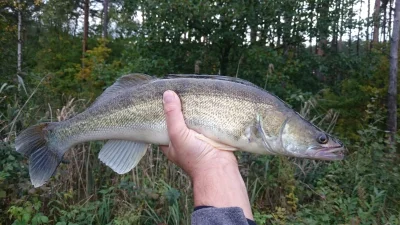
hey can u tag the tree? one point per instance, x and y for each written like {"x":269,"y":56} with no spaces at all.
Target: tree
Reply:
{"x":85,"y":29}
{"x":368,"y":22}
{"x":105,"y":18}
{"x":19,"y":48}
{"x":392,"y":90}
{"x":376,"y":21}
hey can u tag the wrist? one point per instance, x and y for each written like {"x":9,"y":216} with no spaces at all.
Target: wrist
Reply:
{"x":213,"y":168}
{"x":221,"y":185}
{"x":212,"y":164}
{"x":217,"y":186}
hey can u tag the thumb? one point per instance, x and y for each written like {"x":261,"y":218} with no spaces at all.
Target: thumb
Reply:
{"x":177,"y":129}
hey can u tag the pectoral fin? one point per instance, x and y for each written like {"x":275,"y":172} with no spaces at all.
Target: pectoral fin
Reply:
{"x":250,"y":133}
{"x":215,"y":144}
{"x":122,"y":156}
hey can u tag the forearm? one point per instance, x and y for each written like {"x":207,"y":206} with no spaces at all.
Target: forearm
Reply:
{"x":221,"y":187}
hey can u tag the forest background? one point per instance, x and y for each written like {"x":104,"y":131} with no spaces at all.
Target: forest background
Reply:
{"x":328,"y":59}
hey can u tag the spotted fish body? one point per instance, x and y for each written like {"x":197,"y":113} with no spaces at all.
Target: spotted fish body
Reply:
{"x":231,"y":114}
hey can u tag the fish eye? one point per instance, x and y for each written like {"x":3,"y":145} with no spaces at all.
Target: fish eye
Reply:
{"x":322,"y":139}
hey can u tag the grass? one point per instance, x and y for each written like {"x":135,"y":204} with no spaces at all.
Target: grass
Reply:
{"x":282,"y":190}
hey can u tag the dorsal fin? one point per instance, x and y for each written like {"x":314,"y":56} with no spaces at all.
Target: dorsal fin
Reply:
{"x":124,"y":82}
{"x":217,"y":77}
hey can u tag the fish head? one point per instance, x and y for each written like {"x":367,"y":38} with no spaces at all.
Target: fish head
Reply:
{"x":300,"y":138}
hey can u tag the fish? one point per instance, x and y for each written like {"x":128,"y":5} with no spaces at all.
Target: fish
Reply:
{"x":229,"y":113}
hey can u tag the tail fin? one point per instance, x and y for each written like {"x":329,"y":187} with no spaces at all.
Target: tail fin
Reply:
{"x":43,"y":159}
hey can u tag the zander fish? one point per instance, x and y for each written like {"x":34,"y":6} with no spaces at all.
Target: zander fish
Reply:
{"x":230,"y":114}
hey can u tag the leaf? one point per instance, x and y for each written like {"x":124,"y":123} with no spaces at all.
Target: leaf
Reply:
{"x":2,"y":87}
{"x":3,"y":194}
{"x":11,"y":157}
{"x":172,"y":196}
{"x":21,"y":82}
{"x":26,"y":217}
{"x":61,"y":223}
{"x":35,"y":220}
{"x":44,"y":219}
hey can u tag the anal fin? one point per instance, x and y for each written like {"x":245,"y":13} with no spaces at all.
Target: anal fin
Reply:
{"x":122,"y":156}
{"x":215,"y":144}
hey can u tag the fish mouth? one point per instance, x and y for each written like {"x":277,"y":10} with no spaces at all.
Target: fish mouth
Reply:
{"x":329,"y":153}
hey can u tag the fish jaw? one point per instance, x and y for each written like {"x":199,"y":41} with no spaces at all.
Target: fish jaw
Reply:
{"x":328,"y":153}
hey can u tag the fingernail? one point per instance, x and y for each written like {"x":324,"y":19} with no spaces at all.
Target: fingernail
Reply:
{"x":168,"y":97}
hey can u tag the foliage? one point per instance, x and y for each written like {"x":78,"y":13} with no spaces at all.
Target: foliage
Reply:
{"x":94,"y":212}
{"x":28,"y":214}
{"x":362,"y":189}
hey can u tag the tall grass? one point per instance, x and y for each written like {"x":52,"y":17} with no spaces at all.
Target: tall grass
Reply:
{"x":282,"y":190}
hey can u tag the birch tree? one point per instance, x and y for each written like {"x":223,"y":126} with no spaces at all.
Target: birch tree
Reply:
{"x":392,"y":91}
{"x":19,"y":48}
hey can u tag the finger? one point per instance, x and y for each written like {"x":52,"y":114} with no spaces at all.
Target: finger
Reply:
{"x":176,"y":125}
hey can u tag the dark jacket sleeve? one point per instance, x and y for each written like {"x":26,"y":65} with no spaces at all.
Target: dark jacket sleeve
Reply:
{"x":207,"y":215}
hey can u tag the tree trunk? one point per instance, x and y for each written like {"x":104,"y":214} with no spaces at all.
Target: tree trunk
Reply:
{"x":390,"y":18}
{"x":278,"y":31}
{"x":376,"y":21}
{"x":19,"y":48}
{"x":253,"y":34}
{"x":197,"y":67}
{"x":359,"y":30}
{"x":392,"y":91}
{"x":287,"y":32}
{"x":384,"y":25}
{"x":368,"y":25}
{"x":105,"y":18}
{"x":310,"y":25}
{"x":335,"y":26}
{"x":322,"y":26}
{"x":340,"y":44}
{"x":224,"y":60}
{"x":85,"y":29}
{"x":350,"y":28}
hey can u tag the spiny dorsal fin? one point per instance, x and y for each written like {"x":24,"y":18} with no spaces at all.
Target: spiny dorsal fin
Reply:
{"x":123,"y":83}
{"x":217,"y":77}
{"x":122,"y":156}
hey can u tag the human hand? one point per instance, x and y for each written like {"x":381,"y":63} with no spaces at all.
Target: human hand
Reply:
{"x":193,"y":155}
{"x":215,"y":174}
